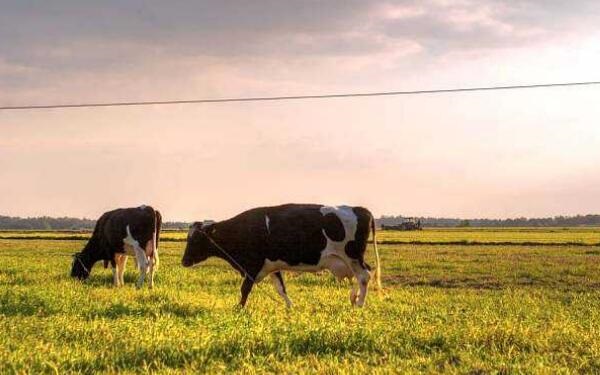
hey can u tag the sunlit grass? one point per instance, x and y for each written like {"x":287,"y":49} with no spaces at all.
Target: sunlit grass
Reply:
{"x":444,"y":309}
{"x":574,"y":236}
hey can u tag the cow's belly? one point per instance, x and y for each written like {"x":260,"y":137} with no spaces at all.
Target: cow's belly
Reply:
{"x":337,"y":267}
{"x":327,"y":262}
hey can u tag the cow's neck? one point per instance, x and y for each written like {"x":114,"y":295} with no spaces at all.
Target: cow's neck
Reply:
{"x":228,"y":254}
{"x":87,"y":259}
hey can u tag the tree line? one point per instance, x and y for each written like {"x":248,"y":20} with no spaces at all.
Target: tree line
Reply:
{"x":71,"y":223}
{"x":556,"y":221}
{"x":63,"y":223}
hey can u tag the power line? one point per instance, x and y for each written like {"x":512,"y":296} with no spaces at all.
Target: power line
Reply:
{"x":299,"y":97}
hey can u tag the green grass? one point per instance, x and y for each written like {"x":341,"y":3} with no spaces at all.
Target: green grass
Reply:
{"x":545,"y":236}
{"x":477,"y":236}
{"x":445,"y":309}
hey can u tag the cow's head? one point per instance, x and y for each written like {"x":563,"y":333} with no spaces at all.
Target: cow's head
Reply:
{"x":82,"y":265}
{"x":198,"y":247}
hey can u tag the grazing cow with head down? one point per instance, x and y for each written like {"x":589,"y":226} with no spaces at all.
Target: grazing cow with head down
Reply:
{"x":119,"y":233}
{"x":300,"y":237}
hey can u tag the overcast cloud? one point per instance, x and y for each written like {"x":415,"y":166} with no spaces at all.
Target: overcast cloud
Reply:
{"x":46,"y":40}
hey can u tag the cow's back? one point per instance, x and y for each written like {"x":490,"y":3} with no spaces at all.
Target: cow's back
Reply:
{"x":114,"y":226}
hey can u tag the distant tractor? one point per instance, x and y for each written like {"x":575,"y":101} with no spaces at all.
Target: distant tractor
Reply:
{"x":409,"y":223}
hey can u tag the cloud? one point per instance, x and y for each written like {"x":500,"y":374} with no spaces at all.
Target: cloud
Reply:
{"x":84,"y":34}
{"x":456,"y":26}
{"x":57,"y":50}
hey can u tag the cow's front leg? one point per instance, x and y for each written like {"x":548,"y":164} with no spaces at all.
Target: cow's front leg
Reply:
{"x":353,"y":293}
{"x":277,"y":280}
{"x":115,"y":270}
{"x":246,"y":288}
{"x":121,"y":262}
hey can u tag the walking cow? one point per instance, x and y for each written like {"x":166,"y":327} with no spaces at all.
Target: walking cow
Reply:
{"x":119,"y":233}
{"x":300,"y":237}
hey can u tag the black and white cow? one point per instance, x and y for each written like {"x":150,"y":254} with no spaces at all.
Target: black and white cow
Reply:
{"x":300,"y":237}
{"x":119,"y":233}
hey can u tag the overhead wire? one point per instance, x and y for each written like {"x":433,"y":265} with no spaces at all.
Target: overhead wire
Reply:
{"x":293,"y":97}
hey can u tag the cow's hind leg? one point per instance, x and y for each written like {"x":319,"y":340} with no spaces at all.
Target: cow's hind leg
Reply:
{"x":142,"y":262}
{"x":363,"y":276}
{"x":114,"y":264}
{"x":151,"y":264}
{"x":246,"y":288}
{"x":152,"y":253}
{"x":277,"y":280}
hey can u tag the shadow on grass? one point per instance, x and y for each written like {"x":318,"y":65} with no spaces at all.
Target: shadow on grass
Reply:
{"x":29,"y":304}
{"x":231,"y":352}
{"x":490,"y":283}
{"x":121,"y":310}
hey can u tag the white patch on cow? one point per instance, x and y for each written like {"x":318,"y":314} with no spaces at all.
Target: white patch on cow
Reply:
{"x":267,"y":224}
{"x":129,"y":240}
{"x":348,"y":219}
{"x":133,"y":246}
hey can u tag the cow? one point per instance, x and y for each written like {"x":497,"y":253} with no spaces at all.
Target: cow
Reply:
{"x":117,"y":234}
{"x":265,"y":241}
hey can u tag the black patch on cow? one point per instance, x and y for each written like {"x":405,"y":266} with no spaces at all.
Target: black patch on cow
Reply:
{"x":356,"y":249}
{"x":109,"y":232}
{"x":334,"y":229}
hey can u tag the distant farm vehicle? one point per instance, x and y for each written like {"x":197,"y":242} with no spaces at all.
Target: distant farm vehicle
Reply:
{"x":410,"y":223}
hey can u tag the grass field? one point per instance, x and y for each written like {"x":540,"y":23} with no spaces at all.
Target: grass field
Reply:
{"x":445,"y":309}
{"x":457,"y":236}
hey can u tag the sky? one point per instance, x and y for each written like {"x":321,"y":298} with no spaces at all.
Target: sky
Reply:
{"x":494,"y":154}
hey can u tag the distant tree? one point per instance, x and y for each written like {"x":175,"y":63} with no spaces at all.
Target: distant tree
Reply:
{"x":464,"y":224}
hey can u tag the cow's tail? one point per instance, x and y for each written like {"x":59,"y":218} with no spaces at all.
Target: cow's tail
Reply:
{"x":157,"y":226}
{"x":377,"y":260}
